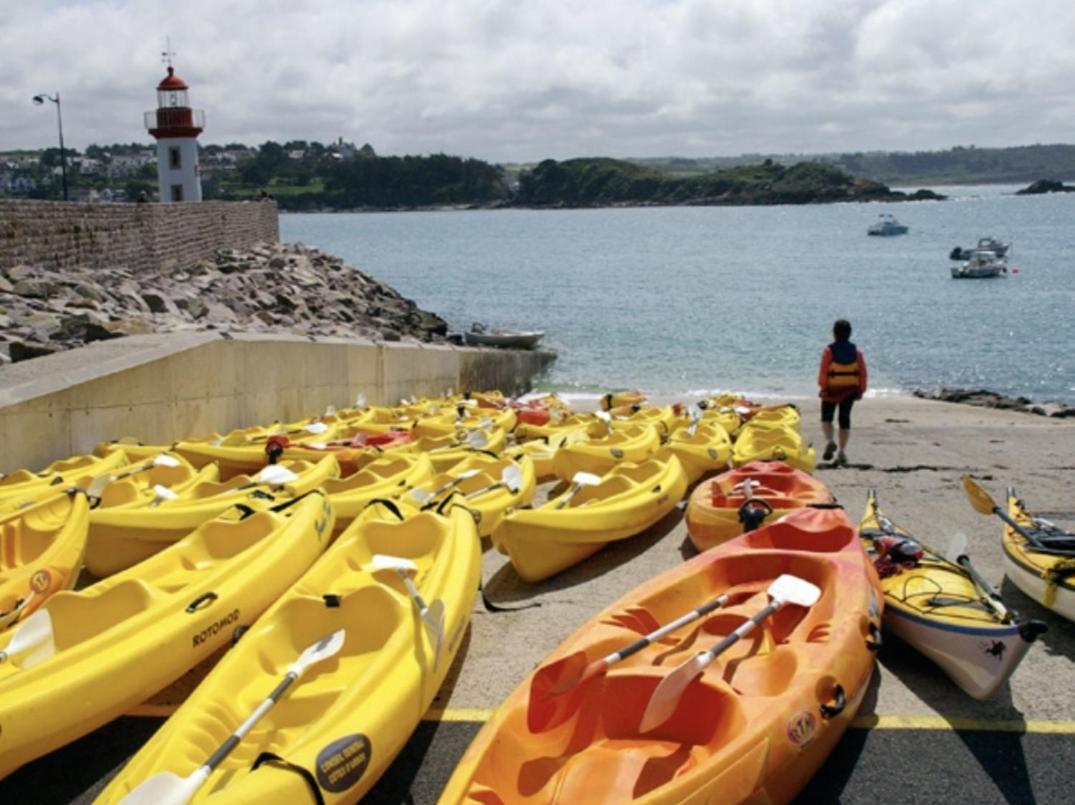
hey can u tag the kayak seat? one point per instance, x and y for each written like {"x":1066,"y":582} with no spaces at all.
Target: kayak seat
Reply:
{"x":77,"y":617}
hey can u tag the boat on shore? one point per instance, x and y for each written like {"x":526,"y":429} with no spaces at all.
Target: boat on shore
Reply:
{"x":887,"y":225}
{"x":505,"y":339}
{"x":982,"y":264}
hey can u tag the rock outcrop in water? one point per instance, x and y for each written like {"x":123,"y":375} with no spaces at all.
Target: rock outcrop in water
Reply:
{"x":1045,"y":186}
{"x":991,"y":399}
{"x":269,"y":288}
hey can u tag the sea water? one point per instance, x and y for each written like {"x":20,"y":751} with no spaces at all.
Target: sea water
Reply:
{"x":683,"y":300}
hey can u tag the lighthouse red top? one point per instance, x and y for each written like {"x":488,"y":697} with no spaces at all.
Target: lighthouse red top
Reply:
{"x":172,"y":81}
{"x":173,"y":116}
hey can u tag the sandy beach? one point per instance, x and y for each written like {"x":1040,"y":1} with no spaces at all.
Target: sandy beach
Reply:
{"x":913,"y":452}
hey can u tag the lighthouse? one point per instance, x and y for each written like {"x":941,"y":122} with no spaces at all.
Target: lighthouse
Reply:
{"x":176,"y":128}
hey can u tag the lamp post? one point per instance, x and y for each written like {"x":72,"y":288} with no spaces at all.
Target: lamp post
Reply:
{"x":39,"y":100}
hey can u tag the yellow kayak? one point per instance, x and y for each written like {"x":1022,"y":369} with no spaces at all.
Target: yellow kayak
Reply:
{"x":576,"y":423}
{"x":663,"y":419}
{"x":249,"y":455}
{"x":447,"y":451}
{"x":1045,"y":573}
{"x":41,"y":549}
{"x":767,"y":443}
{"x":487,"y":487}
{"x":703,"y":449}
{"x":936,"y":606}
{"x":543,"y":451}
{"x":150,"y":482}
{"x":120,"y":538}
{"x":86,"y":657}
{"x":629,"y":499}
{"x":348,"y":717}
{"x":23,"y":488}
{"x":385,"y":477}
{"x":599,"y":454}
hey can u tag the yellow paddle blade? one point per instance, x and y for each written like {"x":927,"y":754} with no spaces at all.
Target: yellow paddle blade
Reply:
{"x":981,"y":500}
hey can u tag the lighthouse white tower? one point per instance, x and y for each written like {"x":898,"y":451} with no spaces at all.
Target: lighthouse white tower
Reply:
{"x":176,"y":127}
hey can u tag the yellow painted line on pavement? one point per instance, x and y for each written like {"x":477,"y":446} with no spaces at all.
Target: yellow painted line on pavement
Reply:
{"x":867,"y":722}
{"x":875,"y":722}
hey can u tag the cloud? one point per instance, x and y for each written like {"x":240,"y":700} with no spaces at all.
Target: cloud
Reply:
{"x":510,"y":81}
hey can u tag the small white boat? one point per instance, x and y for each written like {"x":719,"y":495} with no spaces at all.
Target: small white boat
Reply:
{"x":982,"y":264}
{"x":507,"y":339}
{"x":887,"y":225}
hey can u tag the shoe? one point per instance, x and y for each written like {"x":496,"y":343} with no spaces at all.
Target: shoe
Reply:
{"x":830,"y":450}
{"x":841,"y":459}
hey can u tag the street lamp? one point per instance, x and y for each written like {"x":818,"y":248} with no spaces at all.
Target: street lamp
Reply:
{"x":39,"y":100}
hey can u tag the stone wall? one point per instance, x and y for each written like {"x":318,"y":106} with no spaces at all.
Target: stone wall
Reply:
{"x":58,"y":234}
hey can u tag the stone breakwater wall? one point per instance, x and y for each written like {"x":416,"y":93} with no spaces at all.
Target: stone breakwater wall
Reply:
{"x":139,"y":237}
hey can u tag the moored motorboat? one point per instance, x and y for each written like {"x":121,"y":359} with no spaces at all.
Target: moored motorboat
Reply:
{"x":937,"y":606}
{"x":752,"y":725}
{"x":981,"y":264}
{"x":887,"y":225}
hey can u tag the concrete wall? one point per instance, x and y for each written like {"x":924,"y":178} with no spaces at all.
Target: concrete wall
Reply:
{"x":57,"y":234}
{"x":163,"y":387}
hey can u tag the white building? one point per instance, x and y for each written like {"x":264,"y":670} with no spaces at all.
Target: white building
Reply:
{"x":176,"y":128}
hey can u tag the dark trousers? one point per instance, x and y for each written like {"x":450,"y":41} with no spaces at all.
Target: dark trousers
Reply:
{"x":828,"y":409}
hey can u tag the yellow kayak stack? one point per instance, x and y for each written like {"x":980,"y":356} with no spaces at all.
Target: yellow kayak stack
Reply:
{"x":346,"y":720}
{"x":86,"y":657}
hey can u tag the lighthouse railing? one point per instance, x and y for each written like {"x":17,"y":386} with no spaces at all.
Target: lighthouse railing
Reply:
{"x":178,"y":118}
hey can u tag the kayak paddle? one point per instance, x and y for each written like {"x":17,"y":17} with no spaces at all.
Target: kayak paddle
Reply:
{"x":98,"y":484}
{"x":168,"y":788}
{"x":578,"y":480}
{"x":423,"y":496}
{"x":511,"y":477}
{"x":549,"y":707}
{"x":787,"y":589}
{"x":432,"y":614}
{"x":33,"y":635}
{"x":957,"y":555}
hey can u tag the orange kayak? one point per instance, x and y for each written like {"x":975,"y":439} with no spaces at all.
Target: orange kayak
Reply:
{"x":751,"y":495}
{"x":753,"y":725}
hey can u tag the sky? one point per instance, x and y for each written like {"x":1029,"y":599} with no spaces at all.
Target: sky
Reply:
{"x":518,"y":81}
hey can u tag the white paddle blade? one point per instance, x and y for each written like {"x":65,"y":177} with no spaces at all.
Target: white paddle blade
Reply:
{"x":477,"y":439}
{"x":330,"y":410}
{"x":318,"y":445}
{"x":956,"y":548}
{"x":382,"y":561}
{"x":163,"y":493}
{"x":275,"y":475}
{"x":360,"y":400}
{"x":165,"y":789}
{"x":667,"y":695}
{"x":512,"y":477}
{"x":33,"y":640}
{"x":585,"y":479}
{"x":165,"y":460}
{"x":604,"y":416}
{"x":316,"y":428}
{"x":422,"y":496}
{"x":485,"y":422}
{"x":97,"y":485}
{"x":323,"y":649}
{"x":790,"y":589}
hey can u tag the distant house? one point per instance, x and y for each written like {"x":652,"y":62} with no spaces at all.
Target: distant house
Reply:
{"x":129,"y":164}
{"x":21,"y":183}
{"x":296,"y":153}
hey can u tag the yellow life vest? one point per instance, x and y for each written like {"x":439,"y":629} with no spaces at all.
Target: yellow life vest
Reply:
{"x":843,"y":376}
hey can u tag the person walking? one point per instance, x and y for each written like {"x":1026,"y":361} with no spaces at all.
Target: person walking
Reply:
{"x":841,"y":380}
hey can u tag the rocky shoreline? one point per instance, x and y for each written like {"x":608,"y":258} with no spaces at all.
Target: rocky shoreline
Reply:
{"x":271,"y":287}
{"x":991,"y":399}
